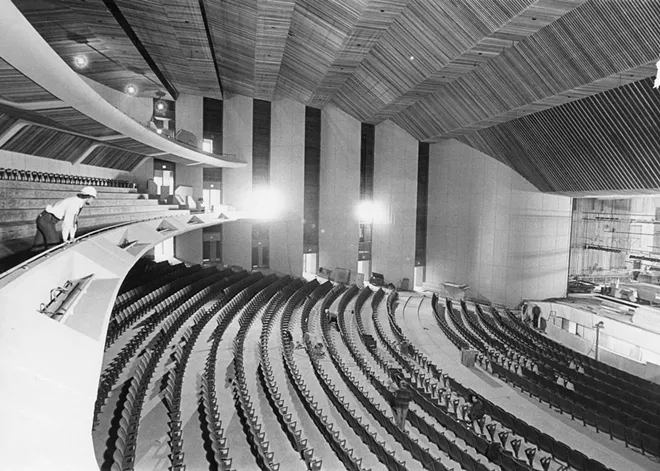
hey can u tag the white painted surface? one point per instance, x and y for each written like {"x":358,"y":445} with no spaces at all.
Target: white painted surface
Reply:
{"x":139,"y":108}
{"x":237,"y":183}
{"x":50,"y":370}
{"x":287,"y":164}
{"x":395,"y":193}
{"x":340,"y":190}
{"x":188,"y":247}
{"x":490,"y":228}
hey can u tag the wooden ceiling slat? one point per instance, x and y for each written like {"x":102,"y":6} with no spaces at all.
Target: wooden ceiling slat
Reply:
{"x":558,"y":62}
{"x":76,"y":121}
{"x":72,"y":28}
{"x":273,"y":25}
{"x":606,"y":142}
{"x":233,"y":26}
{"x":134,"y":146}
{"x":18,"y":88}
{"x":110,"y":157}
{"x":318,"y":31}
{"x":49,"y":143}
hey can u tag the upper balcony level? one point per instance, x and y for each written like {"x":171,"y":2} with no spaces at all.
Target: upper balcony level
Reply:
{"x":49,"y":110}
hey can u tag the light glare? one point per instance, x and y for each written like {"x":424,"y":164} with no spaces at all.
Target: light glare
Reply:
{"x":265,"y":203}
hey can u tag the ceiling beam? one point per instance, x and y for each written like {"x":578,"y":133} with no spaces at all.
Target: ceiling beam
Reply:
{"x":209,"y":38}
{"x":123,"y":22}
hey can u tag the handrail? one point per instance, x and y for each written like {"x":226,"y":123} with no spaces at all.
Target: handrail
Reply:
{"x":46,"y":253}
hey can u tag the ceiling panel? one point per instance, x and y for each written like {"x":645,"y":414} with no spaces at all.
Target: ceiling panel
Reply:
{"x":49,"y":143}
{"x":606,"y":142}
{"x":17,"y":88}
{"x":111,"y":157}
{"x":74,"y":27}
{"x":75,"y":120}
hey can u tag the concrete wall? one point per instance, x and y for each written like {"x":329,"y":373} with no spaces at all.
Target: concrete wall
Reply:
{"x":19,"y":161}
{"x":189,"y":115}
{"x":490,"y":228}
{"x":237,"y":183}
{"x":287,"y":163}
{"x":188,"y":247}
{"x":340,"y":189}
{"x":395,"y":194}
{"x":191,"y":176}
{"x":139,"y":108}
{"x":142,"y":173}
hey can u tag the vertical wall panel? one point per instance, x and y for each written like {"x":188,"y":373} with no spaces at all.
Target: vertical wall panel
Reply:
{"x":490,"y":228}
{"x":366,"y":190}
{"x":237,"y":182}
{"x":422,"y":203}
{"x":340,"y":189}
{"x":212,"y":122}
{"x":312,"y":179}
{"x":287,"y":176}
{"x":261,"y":114}
{"x":395,"y":199}
{"x":189,"y":112}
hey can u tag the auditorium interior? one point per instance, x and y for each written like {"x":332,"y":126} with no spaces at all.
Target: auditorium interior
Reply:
{"x":306,"y":207}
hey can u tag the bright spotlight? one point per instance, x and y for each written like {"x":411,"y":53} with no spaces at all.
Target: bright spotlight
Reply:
{"x":131,"y":89}
{"x":80,"y":62}
{"x":160,"y":106}
{"x":366,"y":211}
{"x":265,"y":203}
{"x":159,"y":131}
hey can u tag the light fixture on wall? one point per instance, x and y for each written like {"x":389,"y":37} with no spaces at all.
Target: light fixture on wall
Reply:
{"x":131,"y":89}
{"x":160,"y":105}
{"x":80,"y":61}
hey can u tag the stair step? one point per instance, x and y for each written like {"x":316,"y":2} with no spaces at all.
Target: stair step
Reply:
{"x":59,"y":187}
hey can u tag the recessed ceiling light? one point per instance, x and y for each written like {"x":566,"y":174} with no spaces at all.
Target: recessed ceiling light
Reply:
{"x":80,"y":61}
{"x":412,"y":58}
{"x":131,"y":89}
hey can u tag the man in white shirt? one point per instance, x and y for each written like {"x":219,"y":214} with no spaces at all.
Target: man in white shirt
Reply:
{"x":65,"y":210}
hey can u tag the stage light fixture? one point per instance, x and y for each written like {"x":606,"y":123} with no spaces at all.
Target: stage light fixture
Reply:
{"x":131,"y":89}
{"x":80,"y":62}
{"x":160,"y":106}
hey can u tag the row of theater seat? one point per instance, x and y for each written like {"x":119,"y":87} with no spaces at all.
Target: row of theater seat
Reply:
{"x":172,"y":309}
{"x":426,"y":393}
{"x":600,"y":371}
{"x":584,"y":403}
{"x":45,"y":177}
{"x":624,"y":406}
{"x":559,"y":451}
{"x":422,"y":454}
{"x":593,"y":406}
{"x":379,"y":448}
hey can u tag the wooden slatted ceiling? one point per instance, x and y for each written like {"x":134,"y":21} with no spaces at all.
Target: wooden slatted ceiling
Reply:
{"x":375,"y":20}
{"x":173,"y":33}
{"x":607,"y":142}
{"x":446,"y":40}
{"x":186,"y":20}
{"x":72,"y":27}
{"x":134,"y":146}
{"x":110,"y":157}
{"x":587,"y":51}
{"x":16,"y":87}
{"x":233,"y":26}
{"x":73,"y":119}
{"x":6,"y":122}
{"x":273,"y":24}
{"x":318,"y":31}
{"x":49,"y":143}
